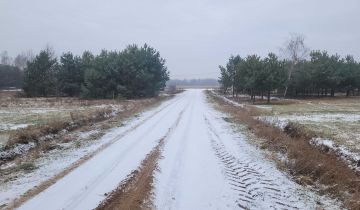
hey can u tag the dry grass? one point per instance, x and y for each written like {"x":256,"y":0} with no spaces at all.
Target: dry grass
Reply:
{"x":35,"y":132}
{"x":306,"y":164}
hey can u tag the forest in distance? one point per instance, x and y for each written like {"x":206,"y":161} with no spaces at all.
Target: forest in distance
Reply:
{"x":131,"y":73}
{"x":302,"y":74}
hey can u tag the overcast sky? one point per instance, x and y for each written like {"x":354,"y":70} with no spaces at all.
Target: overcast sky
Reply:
{"x":194,"y":36}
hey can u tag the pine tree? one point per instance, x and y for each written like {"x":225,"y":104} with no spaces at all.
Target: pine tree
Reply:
{"x":40,"y":76}
{"x":71,"y":74}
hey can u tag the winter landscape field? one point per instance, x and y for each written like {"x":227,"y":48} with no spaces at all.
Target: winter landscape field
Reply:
{"x":180,"y":105}
{"x":187,"y":132}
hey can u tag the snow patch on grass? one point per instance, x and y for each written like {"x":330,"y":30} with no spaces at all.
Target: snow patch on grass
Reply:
{"x":11,"y":126}
{"x":351,"y":158}
{"x":227,"y":100}
{"x":17,"y":150}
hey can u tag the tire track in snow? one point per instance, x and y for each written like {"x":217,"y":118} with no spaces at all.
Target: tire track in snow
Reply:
{"x":170,"y":193}
{"x":249,"y":179}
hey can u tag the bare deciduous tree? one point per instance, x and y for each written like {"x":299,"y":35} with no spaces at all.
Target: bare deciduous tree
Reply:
{"x":50,"y":50}
{"x":21,"y":60}
{"x":5,"y":58}
{"x":294,"y":51}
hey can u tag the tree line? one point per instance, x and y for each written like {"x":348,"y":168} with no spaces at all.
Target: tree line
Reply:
{"x":130,"y":73}
{"x":320,"y":75}
{"x":11,"y":70}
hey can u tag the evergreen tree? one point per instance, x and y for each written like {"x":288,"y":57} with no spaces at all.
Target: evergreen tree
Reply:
{"x":71,"y":74}
{"x":40,"y":76}
{"x":224,"y":79}
{"x":274,"y":74}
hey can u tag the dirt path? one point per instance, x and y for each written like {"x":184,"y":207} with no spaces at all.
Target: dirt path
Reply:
{"x":44,"y":185}
{"x":208,"y":165}
{"x":185,"y":156}
{"x":135,"y":192}
{"x":85,"y":186}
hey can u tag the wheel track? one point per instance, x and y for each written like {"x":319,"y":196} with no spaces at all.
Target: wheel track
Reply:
{"x":248,"y":179}
{"x":178,"y":162}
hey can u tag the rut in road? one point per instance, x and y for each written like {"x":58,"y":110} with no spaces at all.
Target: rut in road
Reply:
{"x":249,"y":180}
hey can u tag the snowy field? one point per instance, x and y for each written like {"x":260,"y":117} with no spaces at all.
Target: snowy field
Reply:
{"x":22,"y":112}
{"x":336,"y":123}
{"x":204,"y":165}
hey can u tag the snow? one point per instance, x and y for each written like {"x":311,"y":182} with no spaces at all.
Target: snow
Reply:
{"x":229,"y":100}
{"x":87,"y":134}
{"x":353,"y":159}
{"x":200,"y":156}
{"x":17,"y":150}
{"x":11,"y":126}
{"x":199,"y":160}
{"x":282,"y":120}
{"x":188,"y":179}
{"x":342,"y":151}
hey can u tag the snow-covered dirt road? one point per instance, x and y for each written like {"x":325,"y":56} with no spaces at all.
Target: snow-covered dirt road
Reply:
{"x":204,"y":165}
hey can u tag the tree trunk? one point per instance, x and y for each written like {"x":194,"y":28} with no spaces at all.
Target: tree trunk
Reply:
{"x":268,"y":97}
{"x":332,"y":92}
{"x":286,"y":88}
{"x":347,"y":93}
{"x":233,"y":90}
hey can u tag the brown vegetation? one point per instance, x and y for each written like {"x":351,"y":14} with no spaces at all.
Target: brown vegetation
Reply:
{"x":307,"y":164}
{"x":135,"y":192}
{"x":34,"y":133}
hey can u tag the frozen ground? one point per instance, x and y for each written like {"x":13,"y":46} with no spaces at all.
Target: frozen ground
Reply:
{"x":205,"y":165}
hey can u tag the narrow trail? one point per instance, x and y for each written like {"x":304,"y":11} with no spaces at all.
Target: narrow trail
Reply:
{"x":183,"y":155}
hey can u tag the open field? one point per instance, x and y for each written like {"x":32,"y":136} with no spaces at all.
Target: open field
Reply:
{"x":336,"y":122}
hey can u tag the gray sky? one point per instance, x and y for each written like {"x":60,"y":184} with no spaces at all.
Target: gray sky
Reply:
{"x":194,"y":36}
